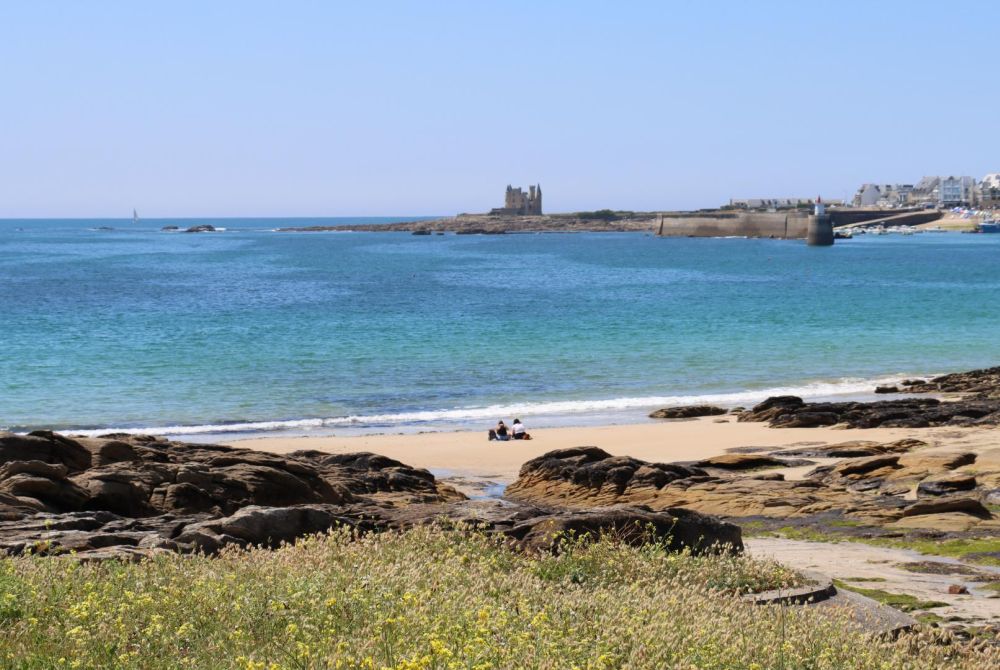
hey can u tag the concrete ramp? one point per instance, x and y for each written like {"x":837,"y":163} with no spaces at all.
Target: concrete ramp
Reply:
{"x":904,"y":219}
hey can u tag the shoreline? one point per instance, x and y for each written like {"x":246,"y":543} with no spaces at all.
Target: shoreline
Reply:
{"x":539,"y":414}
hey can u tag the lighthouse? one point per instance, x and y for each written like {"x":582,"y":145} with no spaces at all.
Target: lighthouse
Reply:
{"x":820,"y":231}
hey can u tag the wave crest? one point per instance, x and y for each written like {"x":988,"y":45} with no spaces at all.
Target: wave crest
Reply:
{"x":464,"y":415}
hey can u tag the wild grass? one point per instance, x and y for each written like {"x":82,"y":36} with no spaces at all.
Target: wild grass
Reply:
{"x":901,"y":601}
{"x":430,"y":598}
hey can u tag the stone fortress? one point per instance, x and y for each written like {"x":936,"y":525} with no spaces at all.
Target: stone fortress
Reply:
{"x":518,"y":203}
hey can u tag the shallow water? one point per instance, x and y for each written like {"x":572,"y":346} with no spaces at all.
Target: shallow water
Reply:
{"x":250,"y":330}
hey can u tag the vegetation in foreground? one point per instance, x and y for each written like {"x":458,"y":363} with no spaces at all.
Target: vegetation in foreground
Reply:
{"x":430,"y":598}
{"x":901,"y":601}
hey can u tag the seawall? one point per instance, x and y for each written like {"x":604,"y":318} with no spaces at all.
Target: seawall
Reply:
{"x":781,"y":225}
{"x":793,"y":224}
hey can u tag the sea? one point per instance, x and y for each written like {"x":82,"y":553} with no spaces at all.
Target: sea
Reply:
{"x":109,"y":325}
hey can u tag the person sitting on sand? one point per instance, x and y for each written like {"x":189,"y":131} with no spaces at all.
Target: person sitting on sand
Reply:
{"x":517,"y":428}
{"x":500,"y":432}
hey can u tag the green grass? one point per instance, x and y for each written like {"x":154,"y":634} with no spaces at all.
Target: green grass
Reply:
{"x":901,"y":601}
{"x":961,"y":548}
{"x":864,"y":579}
{"x":430,"y":598}
{"x":845,"y":523}
{"x":929,"y":618}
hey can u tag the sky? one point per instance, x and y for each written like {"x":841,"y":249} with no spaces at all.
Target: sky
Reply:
{"x":298,"y":108}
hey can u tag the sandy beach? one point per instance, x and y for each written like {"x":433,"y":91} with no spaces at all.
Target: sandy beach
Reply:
{"x":469,"y":454}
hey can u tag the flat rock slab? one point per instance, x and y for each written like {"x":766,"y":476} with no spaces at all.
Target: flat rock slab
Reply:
{"x":859,"y":564}
{"x":868,"y":615}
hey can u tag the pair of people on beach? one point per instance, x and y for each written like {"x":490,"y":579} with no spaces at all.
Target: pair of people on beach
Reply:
{"x":503,"y":433}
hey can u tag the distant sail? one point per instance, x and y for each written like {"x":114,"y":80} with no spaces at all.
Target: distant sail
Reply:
{"x":135,"y":216}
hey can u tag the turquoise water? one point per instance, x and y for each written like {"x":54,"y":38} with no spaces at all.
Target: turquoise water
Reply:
{"x":251,"y":330}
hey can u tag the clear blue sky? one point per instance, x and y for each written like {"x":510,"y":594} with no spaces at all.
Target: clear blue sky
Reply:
{"x":366,"y":108}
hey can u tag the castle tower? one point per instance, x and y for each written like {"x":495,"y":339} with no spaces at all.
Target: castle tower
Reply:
{"x":538,"y":199}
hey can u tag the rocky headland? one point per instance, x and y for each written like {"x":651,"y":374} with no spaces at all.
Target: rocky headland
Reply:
{"x":130,"y":496}
{"x":491,"y":224}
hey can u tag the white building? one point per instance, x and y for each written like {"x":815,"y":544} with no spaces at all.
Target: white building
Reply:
{"x":989,"y":190}
{"x":882,"y":195}
{"x":957,"y":191}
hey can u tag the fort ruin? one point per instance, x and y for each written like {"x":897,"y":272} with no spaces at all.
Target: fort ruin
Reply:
{"x":519,"y":203}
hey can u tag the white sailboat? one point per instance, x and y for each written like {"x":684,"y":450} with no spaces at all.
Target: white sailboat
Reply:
{"x":135,"y":216}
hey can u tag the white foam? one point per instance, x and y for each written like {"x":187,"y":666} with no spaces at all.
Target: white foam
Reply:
{"x":460,"y":415}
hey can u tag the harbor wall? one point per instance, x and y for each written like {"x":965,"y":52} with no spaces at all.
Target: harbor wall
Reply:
{"x":782,"y":225}
{"x":727,"y":224}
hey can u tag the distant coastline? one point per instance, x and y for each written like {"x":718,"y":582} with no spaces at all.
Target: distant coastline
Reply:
{"x":495,"y":224}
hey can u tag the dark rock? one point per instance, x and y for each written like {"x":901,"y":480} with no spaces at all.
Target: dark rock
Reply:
{"x":789,"y":411}
{"x":805,"y":420}
{"x":596,"y":469}
{"x":170,"y":228}
{"x":946,"y":485}
{"x":984,"y":383}
{"x":203,"y":228}
{"x":263,"y":526}
{"x":741,"y":462}
{"x":687,"y":412}
{"x":861,"y":466}
{"x":145,"y":481}
{"x":957,"y":589}
{"x":677,"y":528}
{"x":44,"y":446}
{"x":772,"y":408}
{"x":886,"y":389}
{"x":855,"y":449}
{"x":963,"y":504}
{"x":42,"y":483}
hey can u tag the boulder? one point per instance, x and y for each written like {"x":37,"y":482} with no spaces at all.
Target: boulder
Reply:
{"x":741,"y":462}
{"x":263,"y":526}
{"x":687,"y":412}
{"x":942,"y":505}
{"x":44,"y":446}
{"x":793,"y":412}
{"x":946,"y":485}
{"x":35,"y":481}
{"x":677,"y":529}
{"x":852,"y":449}
{"x":805,"y":420}
{"x":983,"y":383}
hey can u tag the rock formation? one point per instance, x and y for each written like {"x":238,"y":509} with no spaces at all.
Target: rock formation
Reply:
{"x":793,"y":412}
{"x":984,"y":383}
{"x":134,"y":495}
{"x":873,"y":489}
{"x":687,"y":412}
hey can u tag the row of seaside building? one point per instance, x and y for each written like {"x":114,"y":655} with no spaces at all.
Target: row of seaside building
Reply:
{"x":943,"y":192}
{"x":933,"y":192}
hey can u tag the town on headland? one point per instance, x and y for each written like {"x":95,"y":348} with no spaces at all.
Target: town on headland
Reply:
{"x":933,"y":203}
